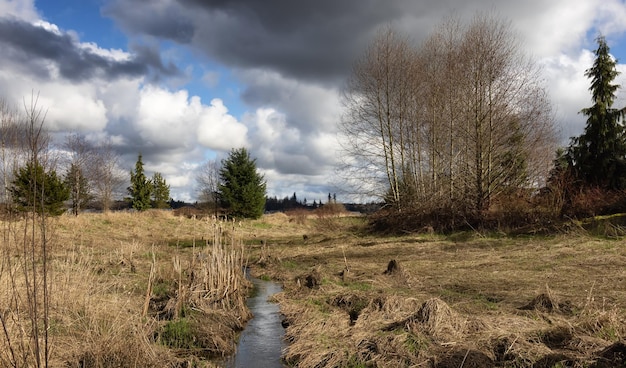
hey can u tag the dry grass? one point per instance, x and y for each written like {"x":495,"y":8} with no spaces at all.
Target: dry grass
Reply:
{"x":129,"y":289}
{"x":111,"y":274}
{"x":511,"y":301}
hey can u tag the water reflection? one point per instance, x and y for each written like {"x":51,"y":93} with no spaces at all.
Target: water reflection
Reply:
{"x":261,"y":342}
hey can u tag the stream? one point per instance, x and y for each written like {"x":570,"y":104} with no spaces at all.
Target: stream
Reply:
{"x":261,"y":342}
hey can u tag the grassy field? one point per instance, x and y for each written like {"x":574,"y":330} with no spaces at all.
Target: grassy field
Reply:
{"x":153,"y":290}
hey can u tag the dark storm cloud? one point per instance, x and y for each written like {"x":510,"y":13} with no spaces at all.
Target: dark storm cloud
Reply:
{"x":299,"y":39}
{"x":30,"y":46}
{"x":154,"y":18}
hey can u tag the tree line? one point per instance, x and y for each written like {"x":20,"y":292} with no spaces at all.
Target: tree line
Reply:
{"x":461,"y":127}
{"x":92,"y":174}
{"x":458,"y":129}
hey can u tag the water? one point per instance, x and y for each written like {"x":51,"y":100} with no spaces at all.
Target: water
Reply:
{"x":261,"y":342}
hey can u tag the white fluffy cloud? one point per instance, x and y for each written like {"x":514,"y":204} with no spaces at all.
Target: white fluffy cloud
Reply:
{"x":167,"y":119}
{"x":289,"y":82}
{"x":568,"y":88}
{"x":23,"y":9}
{"x":219,"y":130}
{"x":67,"y":107}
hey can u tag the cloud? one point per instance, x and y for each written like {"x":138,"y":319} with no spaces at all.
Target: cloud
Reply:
{"x":318,"y":41}
{"x":166,"y":119}
{"x":285,"y":149}
{"x":290,"y":59}
{"x":569,"y":89}
{"x":22,"y":9}
{"x":44,"y":49}
{"x":217,"y":129}
{"x":158,"y":18}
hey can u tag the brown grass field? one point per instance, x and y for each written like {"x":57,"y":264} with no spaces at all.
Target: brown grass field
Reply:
{"x":155,"y":290}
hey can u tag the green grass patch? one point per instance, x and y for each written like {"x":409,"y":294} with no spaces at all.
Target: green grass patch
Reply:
{"x":161,"y":289}
{"x":415,"y":344}
{"x":261,"y":225}
{"x":178,"y":334}
{"x":290,"y":265}
{"x":321,"y":305}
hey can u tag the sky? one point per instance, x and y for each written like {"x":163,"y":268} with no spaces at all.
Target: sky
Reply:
{"x":186,"y":81}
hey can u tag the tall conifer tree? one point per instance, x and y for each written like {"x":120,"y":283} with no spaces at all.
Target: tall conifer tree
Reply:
{"x":598,"y":156}
{"x":242,"y":189}
{"x":160,"y":191}
{"x":140,"y":188}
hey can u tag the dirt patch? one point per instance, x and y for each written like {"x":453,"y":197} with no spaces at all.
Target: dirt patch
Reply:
{"x":313,"y":280}
{"x":393,"y":267}
{"x":547,"y":303}
{"x":613,"y":356}
{"x":353,"y":304}
{"x":557,"y":337}
{"x":555,"y":360}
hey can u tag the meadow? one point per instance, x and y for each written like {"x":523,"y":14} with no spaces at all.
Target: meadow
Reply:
{"x":153,"y":289}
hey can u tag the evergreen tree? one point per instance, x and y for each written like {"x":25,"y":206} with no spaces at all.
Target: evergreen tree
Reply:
{"x":78,"y":186}
{"x":140,"y":189}
{"x":34,"y":189}
{"x":598,"y":156}
{"x":242,"y":189}
{"x":160,"y":191}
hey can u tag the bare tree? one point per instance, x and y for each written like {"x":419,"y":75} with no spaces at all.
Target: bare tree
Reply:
{"x":379,"y":106}
{"x":208,"y":181}
{"x":81,"y":171}
{"x":9,"y":137}
{"x":107,"y":176}
{"x":24,"y":267}
{"x":461,"y":120}
{"x":509,"y":120}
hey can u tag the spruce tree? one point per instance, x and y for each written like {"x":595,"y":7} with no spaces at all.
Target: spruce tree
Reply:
{"x":140,"y":187}
{"x":34,"y":189}
{"x":160,"y":191}
{"x":242,"y":189}
{"x":598,"y":156}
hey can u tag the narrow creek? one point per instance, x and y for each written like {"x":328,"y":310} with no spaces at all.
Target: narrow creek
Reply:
{"x":261,"y":342}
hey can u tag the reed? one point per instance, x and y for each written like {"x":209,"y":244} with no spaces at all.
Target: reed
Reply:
{"x":111,"y":280}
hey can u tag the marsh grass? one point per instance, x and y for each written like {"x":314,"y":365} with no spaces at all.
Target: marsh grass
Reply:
{"x":103,"y":271}
{"x":137,"y":290}
{"x":458,"y":293}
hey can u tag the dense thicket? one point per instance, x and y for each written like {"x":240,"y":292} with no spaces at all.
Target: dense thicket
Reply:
{"x":460,"y":123}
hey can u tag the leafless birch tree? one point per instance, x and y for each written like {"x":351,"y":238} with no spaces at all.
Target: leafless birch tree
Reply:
{"x":459,"y":121}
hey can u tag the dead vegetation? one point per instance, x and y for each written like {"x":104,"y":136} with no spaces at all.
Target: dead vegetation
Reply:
{"x":130,"y":290}
{"x":156,"y":290}
{"x":463,"y":300}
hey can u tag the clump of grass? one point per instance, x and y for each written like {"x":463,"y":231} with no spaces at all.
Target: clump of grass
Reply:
{"x":178,"y":334}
